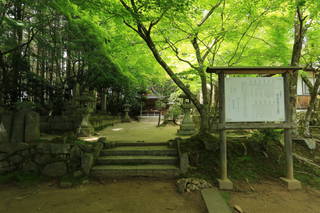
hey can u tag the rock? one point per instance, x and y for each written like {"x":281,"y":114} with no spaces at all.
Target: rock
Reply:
{"x":32,"y":127}
{"x":311,"y":143}
{"x":192,"y":184}
{"x":237,"y":209}
{"x":56,"y":169}
{"x":181,"y":185}
{"x":17,"y":135}
{"x":65,"y":184}
{"x":3,"y":156}
{"x":30,"y":166}
{"x":16,"y":159}
{"x":43,"y":148}
{"x":85,"y":181}
{"x":97,"y":147}
{"x":4,"y":138}
{"x":77,"y":174}
{"x":85,"y":146}
{"x":42,"y":159}
{"x":102,"y":140}
{"x":5,"y":167}
{"x":87,"y":160}
{"x":60,"y":148}
{"x":75,"y":152}
{"x":10,"y":148}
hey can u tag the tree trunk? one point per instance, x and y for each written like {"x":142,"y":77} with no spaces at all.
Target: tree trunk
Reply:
{"x":312,"y":104}
{"x":299,"y":33}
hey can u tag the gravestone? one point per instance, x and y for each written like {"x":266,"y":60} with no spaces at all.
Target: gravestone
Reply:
{"x":17,"y":135}
{"x":6,"y":119}
{"x":32,"y":127}
{"x":3,"y":134}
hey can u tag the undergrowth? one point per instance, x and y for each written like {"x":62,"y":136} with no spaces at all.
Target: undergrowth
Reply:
{"x":256,"y":157}
{"x":22,"y":179}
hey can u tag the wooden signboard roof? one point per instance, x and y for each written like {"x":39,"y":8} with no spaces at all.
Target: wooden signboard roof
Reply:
{"x":251,"y":70}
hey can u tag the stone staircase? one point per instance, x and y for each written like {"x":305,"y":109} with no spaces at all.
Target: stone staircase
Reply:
{"x":137,"y":159}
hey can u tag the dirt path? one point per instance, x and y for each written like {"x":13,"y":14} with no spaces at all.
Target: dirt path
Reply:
{"x":272,"y":197}
{"x":123,"y":196}
{"x":139,"y":131}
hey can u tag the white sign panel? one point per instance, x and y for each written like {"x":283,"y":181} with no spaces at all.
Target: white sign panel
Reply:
{"x":254,"y":99}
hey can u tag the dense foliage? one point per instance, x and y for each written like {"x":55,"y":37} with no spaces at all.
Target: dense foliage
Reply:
{"x":120,"y":47}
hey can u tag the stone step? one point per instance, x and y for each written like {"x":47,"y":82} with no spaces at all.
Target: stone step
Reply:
{"x":139,"y":150}
{"x":141,"y":143}
{"x":134,"y":160}
{"x":152,"y":170}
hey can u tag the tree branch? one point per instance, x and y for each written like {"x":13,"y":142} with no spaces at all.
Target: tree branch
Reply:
{"x":207,"y":16}
{"x":19,"y":46}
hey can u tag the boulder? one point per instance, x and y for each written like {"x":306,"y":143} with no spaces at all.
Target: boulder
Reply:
{"x":32,"y":127}
{"x":64,"y":184}
{"x":56,"y":169}
{"x":42,"y":159}
{"x":10,"y":148}
{"x":75,"y":153}
{"x":30,"y":166}
{"x":16,"y":159}
{"x":4,"y":167}
{"x":87,"y":160}
{"x":97,"y":147}
{"x":77,"y":174}
{"x":192,"y":184}
{"x":60,"y":148}
{"x":44,"y":148}
{"x":3,"y":156}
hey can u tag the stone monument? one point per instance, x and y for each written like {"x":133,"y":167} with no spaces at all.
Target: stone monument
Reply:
{"x":3,"y":134}
{"x":187,"y":126}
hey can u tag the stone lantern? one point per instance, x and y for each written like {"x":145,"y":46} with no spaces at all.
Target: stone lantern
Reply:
{"x":126,"y":113}
{"x":187,"y":126}
{"x":85,"y":129}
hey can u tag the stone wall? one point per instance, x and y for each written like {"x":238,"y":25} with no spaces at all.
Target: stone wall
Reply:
{"x":60,"y":124}
{"x":49,"y":159}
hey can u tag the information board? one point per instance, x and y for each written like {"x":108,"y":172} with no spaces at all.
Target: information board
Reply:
{"x":254,"y":99}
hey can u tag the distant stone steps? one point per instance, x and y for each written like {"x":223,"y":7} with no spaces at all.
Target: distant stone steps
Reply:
{"x":141,"y":143}
{"x":139,"y":150}
{"x":128,"y":159}
{"x":136,"y":160}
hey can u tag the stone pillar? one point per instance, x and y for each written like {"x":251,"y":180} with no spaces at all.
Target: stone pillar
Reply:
{"x":103,"y":102}
{"x":187,"y":126}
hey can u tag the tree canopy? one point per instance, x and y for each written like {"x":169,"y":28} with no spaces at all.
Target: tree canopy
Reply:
{"x":47,"y":47}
